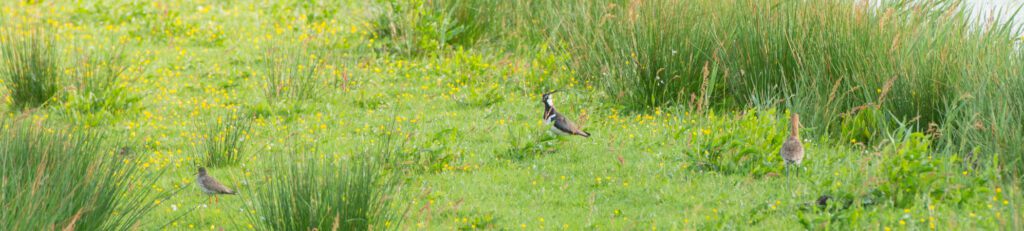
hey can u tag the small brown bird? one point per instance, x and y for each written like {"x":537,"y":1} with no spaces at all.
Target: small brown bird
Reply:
{"x":124,"y":151}
{"x":210,"y":186}
{"x":560,"y":125}
{"x":792,"y":150}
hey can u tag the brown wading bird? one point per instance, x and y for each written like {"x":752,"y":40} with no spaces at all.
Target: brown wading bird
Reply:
{"x":559,"y":124}
{"x":792,"y":150}
{"x":210,"y":186}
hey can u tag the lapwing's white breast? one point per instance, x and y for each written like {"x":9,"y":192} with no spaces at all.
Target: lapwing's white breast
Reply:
{"x":558,"y":131}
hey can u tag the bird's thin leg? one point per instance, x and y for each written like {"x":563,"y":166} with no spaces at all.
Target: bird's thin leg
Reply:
{"x":787,"y":175}
{"x":209,"y":199}
{"x":216,"y":199}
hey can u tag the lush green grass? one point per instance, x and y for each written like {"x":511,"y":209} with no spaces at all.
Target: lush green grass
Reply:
{"x":31,"y":68}
{"x":466,"y":108}
{"x":850,"y":67}
{"x":73,"y":177}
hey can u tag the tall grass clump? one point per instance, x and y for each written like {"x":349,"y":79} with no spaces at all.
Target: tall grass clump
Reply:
{"x":293,"y":72}
{"x":639,"y":59}
{"x":30,"y":67}
{"x":985,"y":127}
{"x":905,"y":57}
{"x":222,"y":141}
{"x":314,"y":191}
{"x":56,"y":178}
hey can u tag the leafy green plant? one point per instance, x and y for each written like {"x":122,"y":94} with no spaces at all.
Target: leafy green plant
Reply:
{"x":30,"y":68}
{"x":863,"y":126}
{"x":747,"y":146}
{"x":223,"y":140}
{"x":523,"y":145}
{"x":909,"y":169}
{"x":58,"y":178}
{"x":416,"y":27}
{"x":478,"y":221}
{"x":318,"y":11}
{"x":98,"y":87}
{"x":329,"y":193}
{"x":481,"y":98}
{"x":433,"y":155}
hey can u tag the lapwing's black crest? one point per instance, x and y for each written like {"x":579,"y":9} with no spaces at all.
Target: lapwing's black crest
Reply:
{"x":559,"y":124}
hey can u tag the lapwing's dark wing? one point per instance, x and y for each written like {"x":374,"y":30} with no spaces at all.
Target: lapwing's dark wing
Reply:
{"x":568,"y":127}
{"x":215,"y":186}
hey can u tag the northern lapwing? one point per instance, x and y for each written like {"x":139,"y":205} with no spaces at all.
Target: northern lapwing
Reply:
{"x":210,"y":186}
{"x":792,"y":150}
{"x":559,"y":124}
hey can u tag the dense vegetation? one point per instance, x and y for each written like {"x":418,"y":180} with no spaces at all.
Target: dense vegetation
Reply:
{"x":406,"y":114}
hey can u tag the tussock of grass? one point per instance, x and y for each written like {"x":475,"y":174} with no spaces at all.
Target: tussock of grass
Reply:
{"x":56,"y":178}
{"x":312,"y":191}
{"x":293,"y":72}
{"x":30,"y":67}
{"x":223,"y":140}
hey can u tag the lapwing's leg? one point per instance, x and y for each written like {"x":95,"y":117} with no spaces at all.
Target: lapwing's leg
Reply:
{"x":209,"y":199}
{"x":216,"y":199}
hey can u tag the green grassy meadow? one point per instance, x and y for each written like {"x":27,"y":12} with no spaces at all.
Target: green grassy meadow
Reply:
{"x":421,"y":114}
